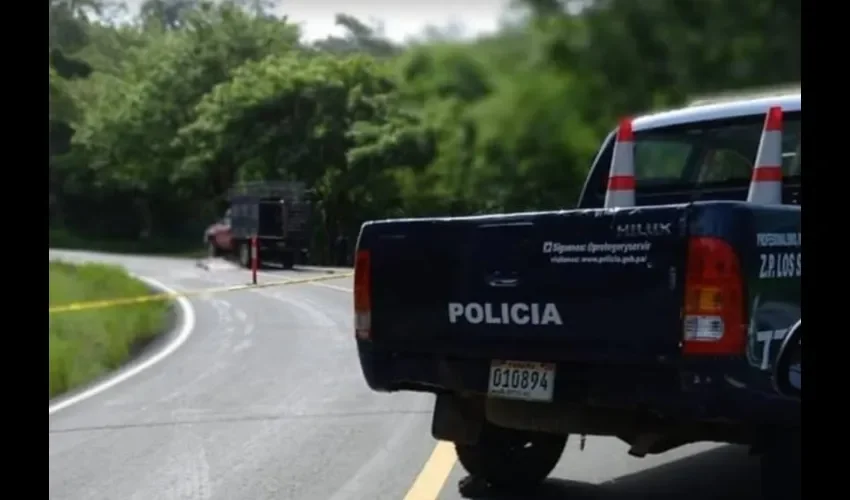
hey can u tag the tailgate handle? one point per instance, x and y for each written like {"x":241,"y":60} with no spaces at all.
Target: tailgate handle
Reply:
{"x":498,"y":281}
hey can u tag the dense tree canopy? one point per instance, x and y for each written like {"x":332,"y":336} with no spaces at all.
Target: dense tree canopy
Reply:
{"x":153,"y":117}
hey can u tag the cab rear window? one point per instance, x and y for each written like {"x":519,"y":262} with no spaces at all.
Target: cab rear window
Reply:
{"x":707,"y":155}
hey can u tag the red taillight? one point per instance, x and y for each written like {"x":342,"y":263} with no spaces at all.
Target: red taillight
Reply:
{"x":714,"y":300}
{"x":363,"y":295}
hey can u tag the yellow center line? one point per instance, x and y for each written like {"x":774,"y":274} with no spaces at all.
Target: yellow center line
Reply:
{"x":434,"y":474}
{"x":431,"y":479}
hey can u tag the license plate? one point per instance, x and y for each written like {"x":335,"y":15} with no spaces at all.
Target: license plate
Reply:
{"x":523,"y":380}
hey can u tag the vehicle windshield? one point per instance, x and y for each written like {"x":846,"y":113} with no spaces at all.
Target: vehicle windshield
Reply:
{"x":711,"y":154}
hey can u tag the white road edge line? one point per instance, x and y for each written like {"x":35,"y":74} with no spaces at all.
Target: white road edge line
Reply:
{"x":332,"y":287}
{"x":186,"y":327}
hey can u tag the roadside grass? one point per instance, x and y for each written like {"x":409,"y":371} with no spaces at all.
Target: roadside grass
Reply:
{"x":87,"y":344}
{"x":61,"y":238}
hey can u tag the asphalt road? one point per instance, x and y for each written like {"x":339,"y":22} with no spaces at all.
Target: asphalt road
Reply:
{"x":265,"y":400}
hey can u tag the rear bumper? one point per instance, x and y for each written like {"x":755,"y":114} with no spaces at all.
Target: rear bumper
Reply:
{"x":676,"y":390}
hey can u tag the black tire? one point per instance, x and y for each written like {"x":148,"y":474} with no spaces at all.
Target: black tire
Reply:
{"x":781,"y":467}
{"x":511,"y":459}
{"x":287,"y":260}
{"x":245,"y":255}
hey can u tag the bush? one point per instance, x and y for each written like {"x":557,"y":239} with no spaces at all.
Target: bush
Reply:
{"x":86,"y":344}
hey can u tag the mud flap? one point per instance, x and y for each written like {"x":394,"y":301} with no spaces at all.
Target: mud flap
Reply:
{"x":456,"y":419}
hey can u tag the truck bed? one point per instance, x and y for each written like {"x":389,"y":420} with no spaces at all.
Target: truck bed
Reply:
{"x":577,"y":284}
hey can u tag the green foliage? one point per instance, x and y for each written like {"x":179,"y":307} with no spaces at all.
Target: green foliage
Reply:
{"x":193,"y":96}
{"x":86,"y":344}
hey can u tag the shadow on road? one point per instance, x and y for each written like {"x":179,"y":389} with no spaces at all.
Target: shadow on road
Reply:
{"x":727,"y":472}
{"x":231,"y":263}
{"x":271,"y":267}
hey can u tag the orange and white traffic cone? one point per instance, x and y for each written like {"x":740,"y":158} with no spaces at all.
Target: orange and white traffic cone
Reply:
{"x":766,"y":183}
{"x":621,"y":179}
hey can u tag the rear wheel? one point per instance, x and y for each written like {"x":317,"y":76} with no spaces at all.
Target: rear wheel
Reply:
{"x":287,"y":260}
{"x":512,"y":459}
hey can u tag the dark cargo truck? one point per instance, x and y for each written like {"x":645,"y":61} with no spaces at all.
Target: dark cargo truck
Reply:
{"x":275,"y":212}
{"x":656,"y":323}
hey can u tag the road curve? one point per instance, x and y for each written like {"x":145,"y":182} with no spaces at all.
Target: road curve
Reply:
{"x":265,"y":400}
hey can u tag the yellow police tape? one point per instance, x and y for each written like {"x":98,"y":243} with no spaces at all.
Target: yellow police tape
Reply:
{"x":99,"y":304}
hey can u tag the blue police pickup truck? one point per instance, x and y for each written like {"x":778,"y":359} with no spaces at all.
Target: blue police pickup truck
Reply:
{"x":652,"y":312}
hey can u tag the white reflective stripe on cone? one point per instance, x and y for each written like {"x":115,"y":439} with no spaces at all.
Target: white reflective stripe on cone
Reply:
{"x":619,"y":198}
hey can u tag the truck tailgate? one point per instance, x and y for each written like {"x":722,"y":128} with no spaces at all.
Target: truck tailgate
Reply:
{"x":588,"y":285}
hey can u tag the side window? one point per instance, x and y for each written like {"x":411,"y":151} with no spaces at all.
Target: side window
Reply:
{"x":792,"y":162}
{"x":728,"y":158}
{"x":660,"y":160}
{"x":791,"y":147}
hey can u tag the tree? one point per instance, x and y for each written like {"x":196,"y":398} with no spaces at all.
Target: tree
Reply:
{"x":358,"y":37}
{"x":152,"y":121}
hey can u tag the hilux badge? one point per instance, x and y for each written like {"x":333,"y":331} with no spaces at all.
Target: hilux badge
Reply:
{"x":643,"y":229}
